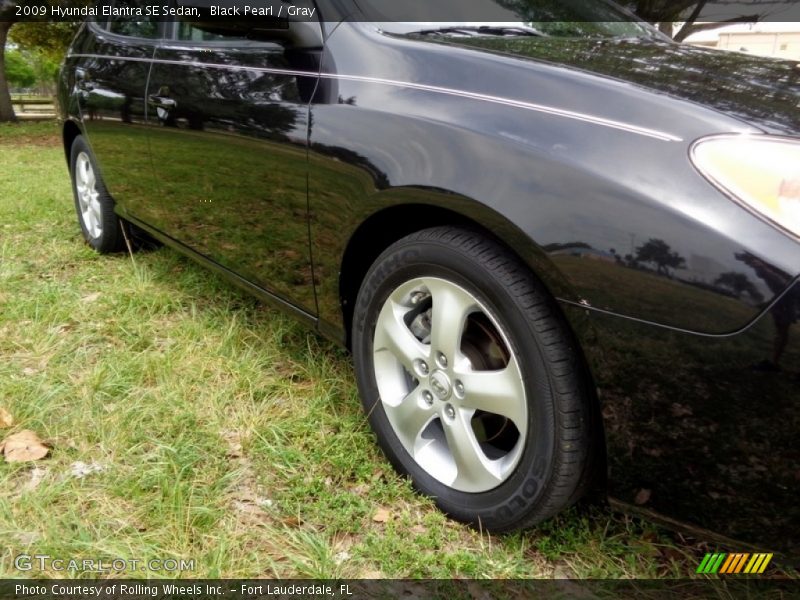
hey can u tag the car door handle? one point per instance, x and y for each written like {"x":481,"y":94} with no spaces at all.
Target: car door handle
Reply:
{"x":162,"y":102}
{"x":82,"y":79}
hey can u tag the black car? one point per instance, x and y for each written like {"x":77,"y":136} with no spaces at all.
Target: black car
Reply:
{"x":564,"y":254}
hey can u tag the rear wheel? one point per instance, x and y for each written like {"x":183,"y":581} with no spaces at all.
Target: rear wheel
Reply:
{"x":471,"y":379}
{"x":100,"y":225}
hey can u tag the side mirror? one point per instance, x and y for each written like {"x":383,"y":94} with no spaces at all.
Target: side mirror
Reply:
{"x":294,"y":25}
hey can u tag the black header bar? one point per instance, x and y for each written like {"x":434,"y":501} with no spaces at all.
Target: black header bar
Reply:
{"x":428,"y":11}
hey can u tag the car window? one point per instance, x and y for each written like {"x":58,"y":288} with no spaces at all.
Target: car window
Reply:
{"x":147,"y":27}
{"x":552,"y":18}
{"x":189,"y":33}
{"x":140,"y":29}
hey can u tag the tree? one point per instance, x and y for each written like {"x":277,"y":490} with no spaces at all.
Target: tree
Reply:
{"x":48,"y":38}
{"x":46,"y":69}
{"x":19,"y":72}
{"x":44,"y":46}
{"x":739,"y":284}
{"x":6,"y":109}
{"x":716,"y":13}
{"x":658,"y":252}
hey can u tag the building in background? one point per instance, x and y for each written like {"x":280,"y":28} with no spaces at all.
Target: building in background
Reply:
{"x":779,"y":40}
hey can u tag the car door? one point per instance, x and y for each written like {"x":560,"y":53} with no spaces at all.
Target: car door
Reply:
{"x":111,"y":80}
{"x":229,"y":137}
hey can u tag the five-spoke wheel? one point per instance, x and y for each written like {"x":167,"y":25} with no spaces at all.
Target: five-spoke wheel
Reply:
{"x":471,"y":379}
{"x":449,"y":385}
{"x":88,"y":196}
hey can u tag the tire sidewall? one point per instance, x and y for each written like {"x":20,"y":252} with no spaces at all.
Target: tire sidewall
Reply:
{"x":524,"y":489}
{"x":108,"y":238}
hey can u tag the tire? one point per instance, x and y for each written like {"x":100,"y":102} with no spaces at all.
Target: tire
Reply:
{"x":498,"y":430}
{"x":101,"y":227}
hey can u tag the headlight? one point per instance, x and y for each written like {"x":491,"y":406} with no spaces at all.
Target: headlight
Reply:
{"x":760,"y":172}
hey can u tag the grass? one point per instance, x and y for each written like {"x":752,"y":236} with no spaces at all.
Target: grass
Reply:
{"x":222,"y":431}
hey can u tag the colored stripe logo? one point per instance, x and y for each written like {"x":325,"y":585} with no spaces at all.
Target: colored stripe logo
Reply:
{"x":723,"y":563}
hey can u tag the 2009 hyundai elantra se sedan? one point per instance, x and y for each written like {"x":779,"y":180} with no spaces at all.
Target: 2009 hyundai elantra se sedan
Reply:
{"x":564,"y":254}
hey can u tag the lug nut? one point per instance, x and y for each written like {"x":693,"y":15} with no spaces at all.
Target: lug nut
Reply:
{"x":459,"y":387}
{"x":442,"y":360}
{"x":422,"y":367}
{"x":427,"y":397}
{"x":450,"y":412}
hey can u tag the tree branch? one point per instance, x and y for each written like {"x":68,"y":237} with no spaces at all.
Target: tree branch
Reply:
{"x":696,"y":12}
{"x":691,"y":28}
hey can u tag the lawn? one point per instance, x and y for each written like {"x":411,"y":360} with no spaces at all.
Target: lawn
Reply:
{"x":188,"y":421}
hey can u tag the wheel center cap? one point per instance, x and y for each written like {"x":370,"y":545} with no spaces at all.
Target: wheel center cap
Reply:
{"x":440,"y":384}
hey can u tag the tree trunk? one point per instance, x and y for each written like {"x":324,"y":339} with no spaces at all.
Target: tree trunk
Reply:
{"x":6,"y":109}
{"x":665,"y":27}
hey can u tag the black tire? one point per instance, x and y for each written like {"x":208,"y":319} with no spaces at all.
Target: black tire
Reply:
{"x":555,"y":465}
{"x":102,"y":231}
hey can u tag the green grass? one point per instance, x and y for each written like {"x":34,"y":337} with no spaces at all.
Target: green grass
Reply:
{"x":225,"y":432}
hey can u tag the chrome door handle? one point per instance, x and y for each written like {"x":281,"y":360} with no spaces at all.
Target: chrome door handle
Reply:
{"x":82,"y":78}
{"x":162,"y":102}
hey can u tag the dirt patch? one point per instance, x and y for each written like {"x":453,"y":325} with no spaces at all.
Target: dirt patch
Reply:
{"x":39,"y":134}
{"x":246,"y":497}
{"x":40,"y":141}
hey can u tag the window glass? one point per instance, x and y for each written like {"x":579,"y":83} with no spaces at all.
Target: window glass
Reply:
{"x":188,"y":32}
{"x":146,"y":27}
{"x":553,"y":18}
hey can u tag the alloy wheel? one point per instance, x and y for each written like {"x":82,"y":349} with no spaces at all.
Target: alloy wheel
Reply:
{"x":88,"y":196}
{"x":450,"y":384}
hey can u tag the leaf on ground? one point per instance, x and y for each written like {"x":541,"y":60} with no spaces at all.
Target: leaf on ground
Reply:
{"x":291,"y":522}
{"x":643,"y":497}
{"x":23,"y":446}
{"x":91,"y":297}
{"x":382,"y":515}
{"x":6,"y":420}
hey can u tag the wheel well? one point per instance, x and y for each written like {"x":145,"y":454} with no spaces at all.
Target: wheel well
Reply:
{"x":71,"y":131}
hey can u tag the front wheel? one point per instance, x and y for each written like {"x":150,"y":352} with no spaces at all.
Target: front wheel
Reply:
{"x":471,"y":379}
